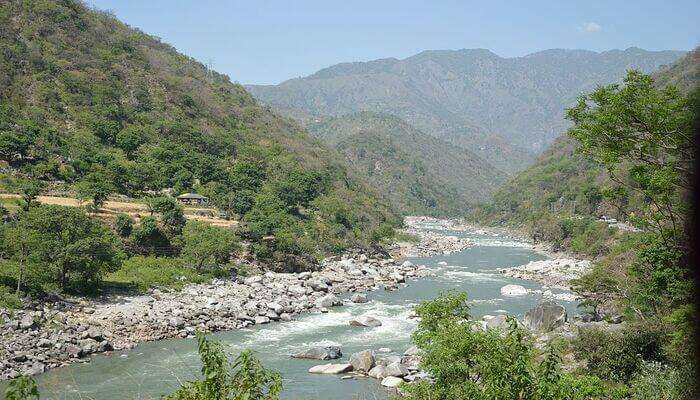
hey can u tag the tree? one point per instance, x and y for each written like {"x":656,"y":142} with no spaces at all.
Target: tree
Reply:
{"x":72,"y":248}
{"x":172,"y":215}
{"x":123,"y":225}
{"x":206,"y":245}
{"x":30,"y":189}
{"x":244,"y":379}
{"x":17,"y":242}
{"x":649,"y":129}
{"x":149,"y":238}
{"x":95,"y":187}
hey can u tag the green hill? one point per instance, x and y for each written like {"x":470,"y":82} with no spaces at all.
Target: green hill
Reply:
{"x":85,"y":97}
{"x":503,"y":109}
{"x":419,"y":173}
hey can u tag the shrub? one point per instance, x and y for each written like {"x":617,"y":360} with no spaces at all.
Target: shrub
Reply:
{"x":8,"y":298}
{"x":207,"y":246}
{"x":123,"y":225}
{"x":244,"y":379}
{"x":22,"y":388}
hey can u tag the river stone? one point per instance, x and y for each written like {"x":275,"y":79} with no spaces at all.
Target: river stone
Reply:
{"x":73,"y":351}
{"x":513,"y":290}
{"x":358,"y":298}
{"x":396,"y":369}
{"x":545,"y":317}
{"x":330,"y":369}
{"x":27,"y":322}
{"x":176,"y":322}
{"x":365,"y":321}
{"x":276,"y":307}
{"x":362,"y":361}
{"x":328,"y":300}
{"x":260,"y":320}
{"x":497,"y":322}
{"x":253,"y":279}
{"x":407,"y":264}
{"x":378,"y":372}
{"x":412,"y":351}
{"x":297,"y":290}
{"x":391,"y":381}
{"x":285,"y":317}
{"x":320,"y":353}
{"x":94,"y":333}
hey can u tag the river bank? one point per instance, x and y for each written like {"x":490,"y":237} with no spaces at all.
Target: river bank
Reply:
{"x":61,"y":331}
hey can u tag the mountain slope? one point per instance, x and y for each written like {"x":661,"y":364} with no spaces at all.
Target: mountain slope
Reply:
{"x":85,"y":97}
{"x":473,"y":98}
{"x":419,"y":173}
{"x":565,"y":182}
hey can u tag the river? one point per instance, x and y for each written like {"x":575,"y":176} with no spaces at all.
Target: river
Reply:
{"x":156,"y":368}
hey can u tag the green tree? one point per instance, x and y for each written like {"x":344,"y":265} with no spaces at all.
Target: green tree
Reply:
{"x":17,"y":242}
{"x":71,"y":247}
{"x":95,"y":187}
{"x":123,"y":225}
{"x":30,"y":190}
{"x":244,"y":379}
{"x":149,"y":238}
{"x":205,"y":245}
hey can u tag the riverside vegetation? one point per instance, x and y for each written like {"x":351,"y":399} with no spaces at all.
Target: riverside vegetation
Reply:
{"x":92,"y":107}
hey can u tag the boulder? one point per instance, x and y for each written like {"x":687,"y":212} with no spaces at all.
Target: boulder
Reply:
{"x":362,"y":361}
{"x":27,"y":322}
{"x":396,"y":369}
{"x":378,"y":372}
{"x":365,"y":321}
{"x":412,"y":351}
{"x":320,"y":353}
{"x":359,"y":298}
{"x":391,"y":381}
{"x":330,"y":369}
{"x":176,"y":322}
{"x":253,"y":279}
{"x":497,"y":322}
{"x":261,"y":320}
{"x":545,"y":317}
{"x":328,"y":300}
{"x":513,"y":290}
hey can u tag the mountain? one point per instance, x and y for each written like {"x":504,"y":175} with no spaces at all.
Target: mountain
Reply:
{"x":564,"y":182}
{"x":84,"y":97}
{"x":504,"y":109}
{"x":419,"y":173}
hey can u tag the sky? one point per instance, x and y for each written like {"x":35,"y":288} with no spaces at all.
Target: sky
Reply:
{"x":267,"y":42}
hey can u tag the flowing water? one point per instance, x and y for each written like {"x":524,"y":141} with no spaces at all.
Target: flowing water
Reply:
{"x":156,"y":368}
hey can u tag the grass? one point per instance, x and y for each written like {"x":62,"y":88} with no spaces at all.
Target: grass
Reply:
{"x":145,"y":272}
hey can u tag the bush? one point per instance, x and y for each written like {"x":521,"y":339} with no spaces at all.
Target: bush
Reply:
{"x":150,"y":272}
{"x":467,"y":362}
{"x":8,"y":298}
{"x":22,"y":388}
{"x":244,"y":379}
{"x":207,"y":246}
{"x":123,"y":225}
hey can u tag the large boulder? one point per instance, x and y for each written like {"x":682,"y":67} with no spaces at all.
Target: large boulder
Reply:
{"x":362,"y":361}
{"x":391,"y":381}
{"x":326,"y":301}
{"x":378,"y":372}
{"x":513,"y":290}
{"x":359,"y":298}
{"x":365,"y":321}
{"x":396,"y":369}
{"x":320,"y":353}
{"x":545,"y":317}
{"x":497,"y":322}
{"x":330,"y":369}
{"x":27,"y":322}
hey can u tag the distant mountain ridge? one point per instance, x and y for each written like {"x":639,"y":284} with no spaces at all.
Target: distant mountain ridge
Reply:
{"x":504,"y":109}
{"x":419,"y":173}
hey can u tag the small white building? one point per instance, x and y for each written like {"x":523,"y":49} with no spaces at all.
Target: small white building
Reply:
{"x":193,"y":199}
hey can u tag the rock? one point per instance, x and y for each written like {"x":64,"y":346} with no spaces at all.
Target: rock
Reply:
{"x":253,"y":279}
{"x":297,"y":290}
{"x":545,"y":317}
{"x":407,"y":264}
{"x":386,"y":360}
{"x":27,"y":322}
{"x":320,"y":353}
{"x":391,"y":381}
{"x":330,"y":369}
{"x":396,"y":369}
{"x":398,"y":278}
{"x":88,"y":346}
{"x":318,"y":286}
{"x":513,"y":290}
{"x":378,"y":372}
{"x":412,"y":363}
{"x":362,"y":361}
{"x":276,"y":307}
{"x":412,"y":351}
{"x":285,"y":317}
{"x":304,"y":275}
{"x":176,"y":322}
{"x":365,"y":321}
{"x":261,"y":320}
{"x":497,"y":322}
{"x":94,"y":333}
{"x":73,"y":351}
{"x":359,"y":298}
{"x":328,"y":300}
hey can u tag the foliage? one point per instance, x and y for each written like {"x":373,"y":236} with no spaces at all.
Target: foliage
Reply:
{"x":206,"y":246}
{"x":22,"y":388}
{"x":148,"y":238}
{"x":63,"y":246}
{"x":467,"y":362}
{"x":146,"y":272}
{"x":656,"y":381}
{"x":244,"y":379}
{"x":123,"y":225}
{"x":29,"y":189}
{"x":9,"y":299}
{"x":87,"y":100}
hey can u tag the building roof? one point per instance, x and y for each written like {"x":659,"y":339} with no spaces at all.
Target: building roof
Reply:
{"x":193,"y":196}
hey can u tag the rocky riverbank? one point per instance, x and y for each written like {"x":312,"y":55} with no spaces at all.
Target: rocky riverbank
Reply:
{"x":556,"y":272}
{"x":55,"y":333}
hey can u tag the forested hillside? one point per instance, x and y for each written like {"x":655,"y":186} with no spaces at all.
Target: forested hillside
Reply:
{"x":87,"y":101}
{"x":417,"y":172}
{"x":503,"y":109}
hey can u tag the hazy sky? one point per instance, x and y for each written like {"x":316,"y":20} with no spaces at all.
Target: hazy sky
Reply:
{"x":264,"y":41}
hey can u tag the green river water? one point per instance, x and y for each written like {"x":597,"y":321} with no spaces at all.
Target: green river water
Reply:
{"x":156,"y":368}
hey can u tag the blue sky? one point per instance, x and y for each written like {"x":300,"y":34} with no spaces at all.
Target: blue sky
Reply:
{"x":264,"y":41}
